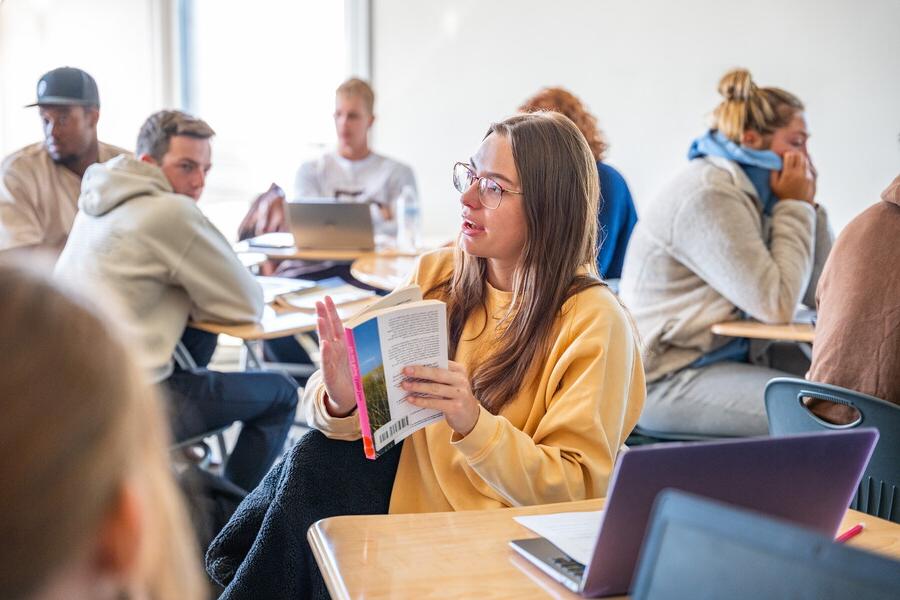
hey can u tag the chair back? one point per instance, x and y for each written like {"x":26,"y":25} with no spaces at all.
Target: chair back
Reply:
{"x":879,"y":490}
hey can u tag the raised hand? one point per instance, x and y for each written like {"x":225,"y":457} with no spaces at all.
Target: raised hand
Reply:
{"x":335,"y":365}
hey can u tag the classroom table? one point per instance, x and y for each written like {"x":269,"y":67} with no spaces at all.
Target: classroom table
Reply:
{"x":275,"y":324}
{"x":383,"y":271}
{"x":466,"y":554}
{"x":298,"y":254}
{"x":788,"y":332}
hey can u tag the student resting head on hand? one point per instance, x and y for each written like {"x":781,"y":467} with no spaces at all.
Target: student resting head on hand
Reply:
{"x":736,"y":234}
{"x":89,"y":507}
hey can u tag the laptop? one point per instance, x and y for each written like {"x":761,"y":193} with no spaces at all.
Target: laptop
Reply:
{"x":808,"y":479}
{"x":325,"y":224}
{"x":696,"y":547}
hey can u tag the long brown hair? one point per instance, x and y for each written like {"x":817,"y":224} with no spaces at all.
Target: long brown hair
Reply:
{"x":79,"y":422}
{"x":746,"y":106}
{"x":560,"y":189}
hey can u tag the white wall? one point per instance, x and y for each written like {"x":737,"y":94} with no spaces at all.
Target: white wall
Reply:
{"x":648,"y":69}
{"x":119,"y":42}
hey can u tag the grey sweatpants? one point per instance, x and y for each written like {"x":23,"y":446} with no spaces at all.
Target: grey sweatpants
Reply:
{"x":724,"y":399}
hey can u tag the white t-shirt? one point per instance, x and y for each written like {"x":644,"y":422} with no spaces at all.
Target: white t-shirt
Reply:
{"x":375,"y":178}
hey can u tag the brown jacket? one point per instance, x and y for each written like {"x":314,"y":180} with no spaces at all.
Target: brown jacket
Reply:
{"x":858,"y":329}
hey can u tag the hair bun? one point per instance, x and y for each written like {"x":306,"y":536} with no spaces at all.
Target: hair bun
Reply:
{"x":737,"y":85}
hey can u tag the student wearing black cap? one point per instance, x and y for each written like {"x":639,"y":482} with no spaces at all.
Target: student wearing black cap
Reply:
{"x":40,"y":184}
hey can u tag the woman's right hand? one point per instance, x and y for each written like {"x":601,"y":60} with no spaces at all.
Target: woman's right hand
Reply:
{"x":336,"y":374}
{"x":796,"y":180}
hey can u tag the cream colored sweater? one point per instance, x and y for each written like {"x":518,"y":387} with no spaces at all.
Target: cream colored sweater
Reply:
{"x":704,"y":252}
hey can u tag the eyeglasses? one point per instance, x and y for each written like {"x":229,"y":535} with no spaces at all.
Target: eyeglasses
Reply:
{"x":489,"y":191}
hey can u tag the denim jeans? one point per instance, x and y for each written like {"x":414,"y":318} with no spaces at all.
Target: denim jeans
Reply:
{"x":203,"y":400}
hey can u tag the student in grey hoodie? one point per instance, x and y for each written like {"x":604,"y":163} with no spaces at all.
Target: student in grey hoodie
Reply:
{"x":737,"y":234}
{"x":140,"y":237}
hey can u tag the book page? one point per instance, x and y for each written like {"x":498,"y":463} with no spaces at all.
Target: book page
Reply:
{"x":575,"y":533}
{"x":404,"y":295}
{"x":410,"y":335}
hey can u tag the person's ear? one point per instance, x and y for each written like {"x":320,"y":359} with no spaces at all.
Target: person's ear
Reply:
{"x":119,"y":541}
{"x":371,"y":121}
{"x":752,"y":139}
{"x":92,"y":115}
{"x":148,"y":159}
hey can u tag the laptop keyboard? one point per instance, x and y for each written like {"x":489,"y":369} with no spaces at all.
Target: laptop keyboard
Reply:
{"x":571,"y":567}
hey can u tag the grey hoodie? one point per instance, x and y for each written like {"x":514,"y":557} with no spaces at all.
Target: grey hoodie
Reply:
{"x":156,"y":253}
{"x":704,"y":252}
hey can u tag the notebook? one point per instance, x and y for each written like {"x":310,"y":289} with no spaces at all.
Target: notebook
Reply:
{"x":696,"y":545}
{"x":808,"y":479}
{"x":325,"y":224}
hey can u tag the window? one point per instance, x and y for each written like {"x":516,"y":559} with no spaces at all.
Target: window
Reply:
{"x":263,"y":76}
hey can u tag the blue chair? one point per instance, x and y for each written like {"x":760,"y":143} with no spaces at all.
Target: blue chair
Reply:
{"x":879,"y":490}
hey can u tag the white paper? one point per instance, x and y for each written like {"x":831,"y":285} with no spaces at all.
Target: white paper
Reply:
{"x":575,"y":533}
{"x":306,"y":299}
{"x":273,"y":287}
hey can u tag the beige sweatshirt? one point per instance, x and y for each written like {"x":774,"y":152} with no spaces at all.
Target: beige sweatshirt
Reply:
{"x":858,"y":329}
{"x":39,"y":198}
{"x":158,"y":255}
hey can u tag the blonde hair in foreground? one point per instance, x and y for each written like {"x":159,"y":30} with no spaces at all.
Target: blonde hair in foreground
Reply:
{"x":560,"y":190}
{"x":748,"y":106}
{"x":80,"y":422}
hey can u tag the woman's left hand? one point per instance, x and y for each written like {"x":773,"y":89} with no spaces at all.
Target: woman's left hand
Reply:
{"x":447,"y":390}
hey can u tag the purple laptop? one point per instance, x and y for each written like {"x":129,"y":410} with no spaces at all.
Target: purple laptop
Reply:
{"x":808,"y":479}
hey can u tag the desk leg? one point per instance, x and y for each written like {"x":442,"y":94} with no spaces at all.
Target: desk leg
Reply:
{"x":309,"y":345}
{"x":251,"y":355}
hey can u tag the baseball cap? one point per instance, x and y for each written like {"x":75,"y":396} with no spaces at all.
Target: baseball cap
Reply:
{"x":67,"y":86}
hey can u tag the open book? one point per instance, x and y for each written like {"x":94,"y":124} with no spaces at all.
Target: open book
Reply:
{"x":303,"y":298}
{"x":398,"y":330}
{"x":275,"y":287}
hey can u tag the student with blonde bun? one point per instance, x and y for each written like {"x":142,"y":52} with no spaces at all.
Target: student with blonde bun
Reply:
{"x":736,"y":234}
{"x":89,"y":507}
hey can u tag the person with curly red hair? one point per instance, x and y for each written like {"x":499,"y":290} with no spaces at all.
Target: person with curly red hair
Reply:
{"x":617,"y":215}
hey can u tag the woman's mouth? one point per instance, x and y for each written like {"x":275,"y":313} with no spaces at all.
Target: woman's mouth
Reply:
{"x":471,"y":228}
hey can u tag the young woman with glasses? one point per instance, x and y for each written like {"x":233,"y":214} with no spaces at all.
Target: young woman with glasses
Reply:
{"x":545,"y":380}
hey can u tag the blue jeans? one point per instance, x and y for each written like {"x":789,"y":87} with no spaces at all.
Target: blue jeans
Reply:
{"x":204,"y":400}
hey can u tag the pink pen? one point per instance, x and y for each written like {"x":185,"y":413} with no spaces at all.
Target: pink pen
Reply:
{"x":850,"y":533}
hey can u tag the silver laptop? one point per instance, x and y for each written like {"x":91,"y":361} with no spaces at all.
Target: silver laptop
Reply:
{"x":325,"y":224}
{"x":807,"y":479}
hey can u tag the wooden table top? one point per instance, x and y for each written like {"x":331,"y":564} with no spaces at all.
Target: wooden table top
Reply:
{"x":788,"y":332}
{"x":466,"y":554}
{"x":383,"y":271}
{"x":298,"y":254}
{"x":278,"y":323}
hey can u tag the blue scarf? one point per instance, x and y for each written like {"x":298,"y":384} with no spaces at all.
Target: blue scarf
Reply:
{"x":757,"y":164}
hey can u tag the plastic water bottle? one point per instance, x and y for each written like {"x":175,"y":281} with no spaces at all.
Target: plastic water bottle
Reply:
{"x":407,"y":220}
